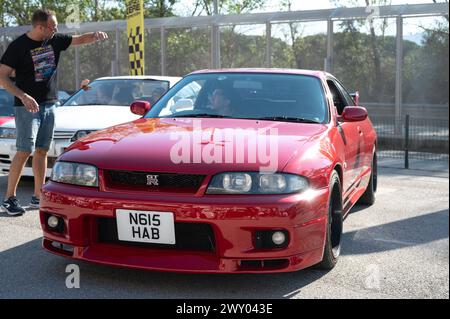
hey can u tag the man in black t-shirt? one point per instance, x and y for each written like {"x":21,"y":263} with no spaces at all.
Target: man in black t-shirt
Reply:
{"x":34,"y":56}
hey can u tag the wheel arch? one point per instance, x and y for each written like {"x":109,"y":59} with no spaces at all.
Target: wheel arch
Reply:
{"x":338,"y":168}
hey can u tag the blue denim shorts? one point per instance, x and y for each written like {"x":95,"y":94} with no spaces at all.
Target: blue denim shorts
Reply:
{"x":34,"y":130}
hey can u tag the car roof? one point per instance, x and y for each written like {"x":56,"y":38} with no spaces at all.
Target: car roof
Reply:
{"x":315,"y":73}
{"x":171,"y":79}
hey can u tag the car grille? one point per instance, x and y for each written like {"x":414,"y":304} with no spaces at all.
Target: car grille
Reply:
{"x":5,"y":159}
{"x":188,"y":236}
{"x":124,"y":180}
{"x":63,"y":135}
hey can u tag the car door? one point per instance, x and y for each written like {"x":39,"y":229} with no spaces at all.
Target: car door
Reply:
{"x":364,"y":154}
{"x":352,"y":136}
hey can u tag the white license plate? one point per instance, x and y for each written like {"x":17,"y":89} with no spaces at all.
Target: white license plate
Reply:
{"x":146,"y":226}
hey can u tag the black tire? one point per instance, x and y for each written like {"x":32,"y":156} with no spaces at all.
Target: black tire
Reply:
{"x":368,"y":198}
{"x":332,"y":248}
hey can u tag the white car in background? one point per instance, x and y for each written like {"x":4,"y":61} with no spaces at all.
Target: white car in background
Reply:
{"x":103,"y":103}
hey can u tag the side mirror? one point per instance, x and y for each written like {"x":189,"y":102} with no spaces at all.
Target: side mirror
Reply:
{"x":353,"y":114}
{"x":355,"y":97}
{"x":140,"y":107}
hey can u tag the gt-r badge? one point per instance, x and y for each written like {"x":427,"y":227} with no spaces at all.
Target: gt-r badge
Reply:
{"x":152,"y":180}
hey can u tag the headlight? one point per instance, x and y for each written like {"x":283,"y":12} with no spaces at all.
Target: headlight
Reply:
{"x":256,"y":183}
{"x":6,"y":132}
{"x":74,"y":173}
{"x":81,"y":134}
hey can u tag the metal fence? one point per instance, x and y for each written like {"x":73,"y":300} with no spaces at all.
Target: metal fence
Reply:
{"x":419,"y":139}
{"x":225,"y":40}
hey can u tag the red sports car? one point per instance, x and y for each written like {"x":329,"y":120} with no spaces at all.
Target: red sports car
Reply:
{"x":231,"y":171}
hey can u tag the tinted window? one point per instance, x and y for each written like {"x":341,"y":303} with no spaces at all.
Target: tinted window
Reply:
{"x":338,"y":99}
{"x":6,"y":103}
{"x":6,"y":98}
{"x":348,"y":99}
{"x":245,"y":95}
{"x":63,"y":95}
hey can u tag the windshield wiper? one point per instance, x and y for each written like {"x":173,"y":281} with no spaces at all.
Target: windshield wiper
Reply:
{"x":202,"y":115}
{"x":287,"y":119}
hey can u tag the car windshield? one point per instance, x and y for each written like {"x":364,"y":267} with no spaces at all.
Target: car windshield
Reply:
{"x":62,"y":95}
{"x":118,"y":92}
{"x":277,"y":97}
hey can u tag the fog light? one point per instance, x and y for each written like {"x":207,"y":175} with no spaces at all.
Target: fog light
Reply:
{"x":278,"y":238}
{"x":53,"y":221}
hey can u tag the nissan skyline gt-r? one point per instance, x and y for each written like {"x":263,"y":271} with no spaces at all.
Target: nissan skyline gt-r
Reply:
{"x":104,"y":102}
{"x":253,"y":172}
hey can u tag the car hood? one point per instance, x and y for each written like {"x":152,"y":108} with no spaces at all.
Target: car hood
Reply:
{"x":88,"y":117}
{"x":186,"y":145}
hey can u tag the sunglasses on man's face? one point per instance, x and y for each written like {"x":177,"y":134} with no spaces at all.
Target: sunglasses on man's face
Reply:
{"x":54,"y":28}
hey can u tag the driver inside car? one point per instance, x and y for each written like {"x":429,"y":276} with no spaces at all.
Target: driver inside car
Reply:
{"x":221,"y":102}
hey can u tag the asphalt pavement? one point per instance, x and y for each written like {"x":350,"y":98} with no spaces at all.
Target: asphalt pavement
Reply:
{"x":397,"y":248}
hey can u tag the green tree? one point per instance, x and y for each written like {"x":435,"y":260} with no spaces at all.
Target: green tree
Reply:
{"x":227,"y":6}
{"x":231,"y":46}
{"x":18,"y":12}
{"x":376,"y":43}
{"x":426,"y":69}
{"x":159,"y":8}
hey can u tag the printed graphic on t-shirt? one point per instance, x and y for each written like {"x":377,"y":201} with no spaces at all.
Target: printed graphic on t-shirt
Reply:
{"x":44,"y":63}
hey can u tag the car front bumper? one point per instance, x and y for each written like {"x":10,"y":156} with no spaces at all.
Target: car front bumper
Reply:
{"x":234,"y":220}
